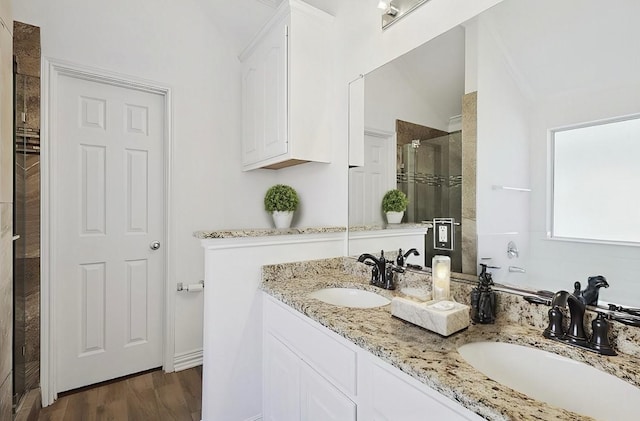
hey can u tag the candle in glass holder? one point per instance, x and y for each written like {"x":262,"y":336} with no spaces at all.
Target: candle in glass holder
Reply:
{"x":441,"y":276}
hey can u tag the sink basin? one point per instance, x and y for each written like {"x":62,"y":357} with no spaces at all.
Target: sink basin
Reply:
{"x":350,"y":297}
{"x":556,"y":380}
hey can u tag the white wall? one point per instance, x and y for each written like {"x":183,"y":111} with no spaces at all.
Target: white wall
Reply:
{"x":502,"y":156}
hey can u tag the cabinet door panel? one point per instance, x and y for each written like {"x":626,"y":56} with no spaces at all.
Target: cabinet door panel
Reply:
{"x":328,"y":355}
{"x":281,"y":383}
{"x":395,"y":399}
{"x":275,"y":128}
{"x":250,"y":115}
{"x":321,"y":401}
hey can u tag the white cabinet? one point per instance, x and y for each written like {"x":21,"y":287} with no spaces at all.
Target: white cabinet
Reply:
{"x":312,"y":374}
{"x":356,"y":123}
{"x":281,"y":381}
{"x":293,"y":391}
{"x":389,"y":394}
{"x":264,"y":98}
{"x":321,"y":401}
{"x":285,"y":88}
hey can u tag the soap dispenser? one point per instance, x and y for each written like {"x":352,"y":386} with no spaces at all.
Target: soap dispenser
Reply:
{"x":483,"y":298}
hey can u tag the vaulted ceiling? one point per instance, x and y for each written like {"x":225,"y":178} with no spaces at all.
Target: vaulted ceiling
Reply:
{"x":240,"y":20}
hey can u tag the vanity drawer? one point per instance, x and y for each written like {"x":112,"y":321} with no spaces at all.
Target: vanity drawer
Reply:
{"x":334,"y":360}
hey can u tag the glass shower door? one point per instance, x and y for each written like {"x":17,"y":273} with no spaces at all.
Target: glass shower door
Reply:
{"x":430,"y":173}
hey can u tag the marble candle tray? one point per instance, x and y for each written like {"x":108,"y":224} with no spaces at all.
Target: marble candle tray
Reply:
{"x":444,"y":321}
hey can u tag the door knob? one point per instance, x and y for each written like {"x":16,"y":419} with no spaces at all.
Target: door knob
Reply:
{"x":154,"y":245}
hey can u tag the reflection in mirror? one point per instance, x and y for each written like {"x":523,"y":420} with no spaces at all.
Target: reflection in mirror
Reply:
{"x":536,"y":66}
{"x":394,"y":10}
{"x":586,"y":205}
{"x":413,"y":118}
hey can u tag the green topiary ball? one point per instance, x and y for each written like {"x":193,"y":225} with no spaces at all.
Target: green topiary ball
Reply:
{"x":281,"y":198}
{"x":394,"y":201}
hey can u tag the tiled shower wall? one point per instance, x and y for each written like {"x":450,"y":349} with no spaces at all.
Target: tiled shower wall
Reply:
{"x":469,"y":240}
{"x":6,"y":211}
{"x":27,"y":206}
{"x":6,"y":301}
{"x":455,"y":155}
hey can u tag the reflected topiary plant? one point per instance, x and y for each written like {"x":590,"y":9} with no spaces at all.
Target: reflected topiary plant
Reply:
{"x":394,"y":201}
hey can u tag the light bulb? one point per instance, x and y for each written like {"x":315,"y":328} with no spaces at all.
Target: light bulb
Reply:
{"x":382,"y":5}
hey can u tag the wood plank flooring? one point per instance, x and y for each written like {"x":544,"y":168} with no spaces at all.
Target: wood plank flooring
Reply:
{"x":147,"y":397}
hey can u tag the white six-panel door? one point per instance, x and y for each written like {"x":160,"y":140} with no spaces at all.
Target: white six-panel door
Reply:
{"x":109,"y":270}
{"x":369,"y":183}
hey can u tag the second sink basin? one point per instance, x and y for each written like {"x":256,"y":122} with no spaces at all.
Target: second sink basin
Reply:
{"x":556,"y":380}
{"x":350,"y":297}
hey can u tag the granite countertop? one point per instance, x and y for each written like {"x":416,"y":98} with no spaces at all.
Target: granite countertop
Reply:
{"x":405,"y":225}
{"x":264,"y":232}
{"x":429,"y":357}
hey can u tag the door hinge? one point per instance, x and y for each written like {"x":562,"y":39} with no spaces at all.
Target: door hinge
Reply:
{"x":23,"y":116}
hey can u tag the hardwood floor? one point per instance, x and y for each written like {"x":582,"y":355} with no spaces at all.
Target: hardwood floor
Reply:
{"x":147,"y":397}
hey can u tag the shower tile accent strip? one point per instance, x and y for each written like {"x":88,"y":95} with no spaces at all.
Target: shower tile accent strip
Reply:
{"x":432,"y":359}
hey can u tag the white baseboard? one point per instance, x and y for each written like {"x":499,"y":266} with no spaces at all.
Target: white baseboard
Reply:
{"x":255,"y":418}
{"x":187,"y":360}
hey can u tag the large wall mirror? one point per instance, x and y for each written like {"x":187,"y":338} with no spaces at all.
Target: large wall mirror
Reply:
{"x":537,"y":67}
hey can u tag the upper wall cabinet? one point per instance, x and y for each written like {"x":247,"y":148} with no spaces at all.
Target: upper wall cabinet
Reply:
{"x":285,"y":90}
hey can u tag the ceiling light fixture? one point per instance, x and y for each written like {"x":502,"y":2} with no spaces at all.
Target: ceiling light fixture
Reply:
{"x":396,"y":9}
{"x":392,"y":10}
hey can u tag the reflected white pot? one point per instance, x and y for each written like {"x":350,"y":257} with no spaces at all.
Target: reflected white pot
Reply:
{"x":282,"y":219}
{"x":394,"y":217}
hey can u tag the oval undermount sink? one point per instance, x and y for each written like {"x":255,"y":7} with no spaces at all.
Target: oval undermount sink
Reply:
{"x":556,"y":380}
{"x":350,"y":297}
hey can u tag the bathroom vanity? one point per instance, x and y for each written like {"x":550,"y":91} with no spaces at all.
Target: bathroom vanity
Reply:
{"x":364,"y":363}
{"x":314,"y":372}
{"x":271,"y":350}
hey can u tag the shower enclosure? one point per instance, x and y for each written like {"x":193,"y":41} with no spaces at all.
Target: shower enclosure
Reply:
{"x":26,"y":211}
{"x":430,"y":173}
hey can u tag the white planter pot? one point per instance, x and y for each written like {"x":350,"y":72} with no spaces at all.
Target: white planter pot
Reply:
{"x":394,"y":217}
{"x":282,"y":219}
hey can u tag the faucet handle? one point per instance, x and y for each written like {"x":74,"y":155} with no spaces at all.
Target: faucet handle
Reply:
{"x":400,"y":258}
{"x":577,"y":289}
{"x":555,"y":328}
{"x":395,"y":268}
{"x":600,"y":335}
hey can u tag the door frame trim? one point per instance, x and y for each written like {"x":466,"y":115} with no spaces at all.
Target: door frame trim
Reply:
{"x":52,"y":70}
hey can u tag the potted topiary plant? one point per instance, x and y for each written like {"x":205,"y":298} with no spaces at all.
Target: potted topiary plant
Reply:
{"x":394,"y":203}
{"x":281,"y":200}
